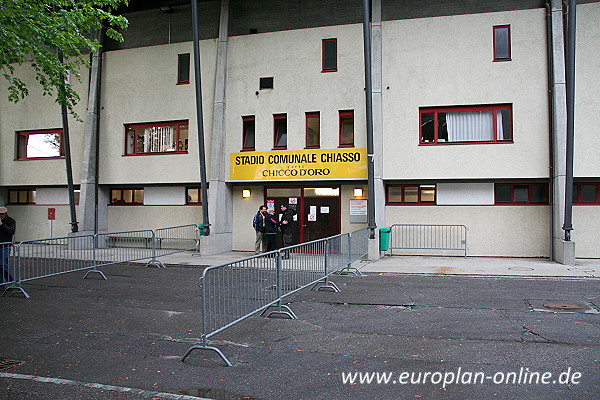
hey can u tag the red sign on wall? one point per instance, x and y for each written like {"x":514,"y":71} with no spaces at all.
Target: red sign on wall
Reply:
{"x":51,"y":214}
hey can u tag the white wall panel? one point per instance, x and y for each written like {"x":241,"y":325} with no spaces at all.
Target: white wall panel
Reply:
{"x":465,"y":194}
{"x":164,"y":195}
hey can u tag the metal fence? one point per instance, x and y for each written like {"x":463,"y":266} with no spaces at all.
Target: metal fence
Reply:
{"x":428,"y":237}
{"x":234,"y":291}
{"x":35,"y":259}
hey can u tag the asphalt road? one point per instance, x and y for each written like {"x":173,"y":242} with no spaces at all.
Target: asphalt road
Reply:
{"x":453,"y":337}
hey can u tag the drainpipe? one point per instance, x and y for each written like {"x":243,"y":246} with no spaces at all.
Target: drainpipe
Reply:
{"x":551,"y":132}
{"x":369,"y":105}
{"x":199,"y":118}
{"x":67,"y":146}
{"x":570,"y":69}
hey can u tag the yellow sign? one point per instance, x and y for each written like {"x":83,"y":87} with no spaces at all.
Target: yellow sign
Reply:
{"x":300,"y":164}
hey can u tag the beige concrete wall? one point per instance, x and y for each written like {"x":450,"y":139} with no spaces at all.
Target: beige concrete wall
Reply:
{"x":243,"y":212}
{"x":293,"y":59}
{"x":32,"y":221}
{"x":139,"y":86}
{"x":586,"y":233}
{"x":508,"y":231}
{"x":587,"y":87}
{"x":128,"y":218}
{"x":448,"y":61}
{"x":37,"y":112}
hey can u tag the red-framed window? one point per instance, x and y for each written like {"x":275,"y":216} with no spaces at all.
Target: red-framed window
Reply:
{"x":127,"y":196}
{"x":465,"y":124}
{"x":521,"y":193}
{"x":347,"y":128}
{"x":21,"y":196}
{"x":329,"y":55}
{"x":156,"y":138}
{"x":411,"y":194}
{"x":193,"y":195}
{"x":502,"y":43}
{"x":586,"y":193}
{"x":40,"y":144}
{"x":279,"y":131}
{"x":248,"y":133}
{"x":183,"y":69}
{"x":313,"y":130}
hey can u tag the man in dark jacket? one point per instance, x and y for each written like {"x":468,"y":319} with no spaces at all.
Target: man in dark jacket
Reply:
{"x":260,"y":245}
{"x":7,"y":230}
{"x":287,"y":221}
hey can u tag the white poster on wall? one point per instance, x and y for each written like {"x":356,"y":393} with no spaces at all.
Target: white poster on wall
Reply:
{"x":324,"y":210}
{"x":358,"y":211}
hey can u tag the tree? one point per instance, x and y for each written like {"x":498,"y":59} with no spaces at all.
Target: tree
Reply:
{"x":46,"y":30}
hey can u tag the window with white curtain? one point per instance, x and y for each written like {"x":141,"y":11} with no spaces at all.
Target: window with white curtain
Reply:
{"x":158,"y":137}
{"x":466,"y":124}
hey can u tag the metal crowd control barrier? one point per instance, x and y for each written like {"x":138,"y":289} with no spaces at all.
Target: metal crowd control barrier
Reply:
{"x":35,"y":259}
{"x":234,"y":291}
{"x":176,"y":239}
{"x":428,"y":237}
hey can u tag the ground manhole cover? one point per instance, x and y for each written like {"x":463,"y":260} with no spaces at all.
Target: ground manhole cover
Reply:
{"x":5,"y":363}
{"x":563,"y":306}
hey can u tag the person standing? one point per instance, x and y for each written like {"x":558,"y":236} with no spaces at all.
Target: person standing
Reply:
{"x":260,"y":245}
{"x":287,"y":222}
{"x":271,"y":229}
{"x":8,"y":227}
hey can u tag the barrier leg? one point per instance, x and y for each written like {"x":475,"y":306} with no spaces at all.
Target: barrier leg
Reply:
{"x":14,"y":288}
{"x":282,"y":309}
{"x":203,"y":347}
{"x":326,"y":284}
{"x":96,"y":271}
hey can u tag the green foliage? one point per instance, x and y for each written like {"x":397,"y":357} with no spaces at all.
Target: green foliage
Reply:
{"x":41,"y":30}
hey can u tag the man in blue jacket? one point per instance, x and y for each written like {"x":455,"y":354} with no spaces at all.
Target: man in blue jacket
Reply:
{"x":260,"y":245}
{"x":7,"y":230}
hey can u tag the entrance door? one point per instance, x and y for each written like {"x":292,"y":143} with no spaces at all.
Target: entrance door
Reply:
{"x":317,"y":211}
{"x":321,"y":217}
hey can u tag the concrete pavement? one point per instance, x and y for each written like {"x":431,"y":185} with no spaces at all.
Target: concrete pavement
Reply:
{"x":482,"y":266}
{"x":124,"y":337}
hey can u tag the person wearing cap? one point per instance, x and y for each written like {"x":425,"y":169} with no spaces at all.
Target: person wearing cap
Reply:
{"x":287,"y":220}
{"x":7,"y":230}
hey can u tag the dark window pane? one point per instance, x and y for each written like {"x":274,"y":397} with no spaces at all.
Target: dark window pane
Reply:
{"x":538,"y":194}
{"x":281,"y":132}
{"x":395,"y":194}
{"x":588,"y":193}
{"x":521,"y":194}
{"x":313,"y":130}
{"x":427,"y":127}
{"x":249,"y":141}
{"x":504,"y":125}
{"x":329,"y":55}
{"x":575,"y":193}
{"x":503,"y":194}
{"x":501,"y":42}
{"x":411,"y":194}
{"x":266,"y":83}
{"x":442,"y":128}
{"x":183,"y":75}
{"x":347,"y":130}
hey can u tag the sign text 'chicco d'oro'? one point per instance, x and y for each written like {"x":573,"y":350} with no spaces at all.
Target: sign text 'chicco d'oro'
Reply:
{"x":300,"y":164}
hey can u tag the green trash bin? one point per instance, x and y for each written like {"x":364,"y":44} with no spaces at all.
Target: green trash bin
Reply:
{"x":200,"y":230}
{"x":384,"y":238}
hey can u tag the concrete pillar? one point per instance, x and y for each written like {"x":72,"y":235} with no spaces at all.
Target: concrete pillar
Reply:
{"x":220,"y":200}
{"x":87,"y":200}
{"x":377,"y":97}
{"x":563,"y":251}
